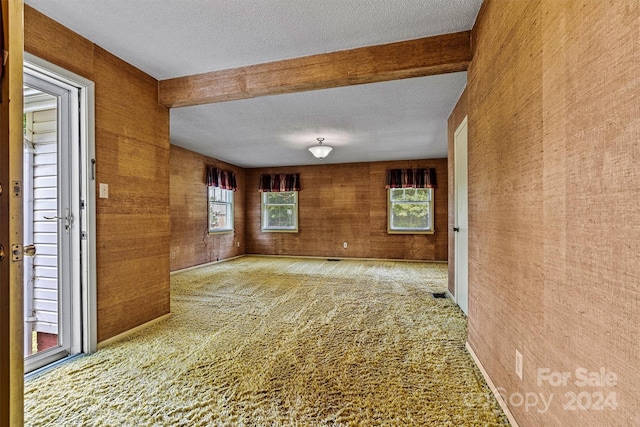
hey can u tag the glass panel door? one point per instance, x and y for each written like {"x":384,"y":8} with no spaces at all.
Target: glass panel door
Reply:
{"x":48,"y":219}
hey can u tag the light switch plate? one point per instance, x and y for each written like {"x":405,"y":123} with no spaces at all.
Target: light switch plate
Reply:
{"x":104,"y":191}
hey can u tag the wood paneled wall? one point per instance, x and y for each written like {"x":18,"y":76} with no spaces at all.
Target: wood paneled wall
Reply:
{"x":191,"y":243}
{"x":458,"y":114}
{"x":554,"y":122}
{"x":347,"y":203}
{"x":132,"y":156}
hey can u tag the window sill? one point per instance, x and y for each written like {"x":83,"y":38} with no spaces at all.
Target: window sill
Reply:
{"x":278,"y":231}
{"x":222,"y":231}
{"x":410,"y":232}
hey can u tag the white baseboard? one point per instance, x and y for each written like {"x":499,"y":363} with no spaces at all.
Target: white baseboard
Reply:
{"x":108,"y":342}
{"x":492,"y":386}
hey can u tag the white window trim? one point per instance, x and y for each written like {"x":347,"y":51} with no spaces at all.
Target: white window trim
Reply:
{"x":233,"y":221}
{"x":279,"y":230}
{"x":409,"y":230}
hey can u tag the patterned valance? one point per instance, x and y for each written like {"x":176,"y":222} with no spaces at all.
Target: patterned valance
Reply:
{"x":279,"y":183}
{"x":411,"y":178}
{"x":221,"y":178}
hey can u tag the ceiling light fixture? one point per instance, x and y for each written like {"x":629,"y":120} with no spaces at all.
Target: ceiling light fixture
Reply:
{"x":320,"y":151}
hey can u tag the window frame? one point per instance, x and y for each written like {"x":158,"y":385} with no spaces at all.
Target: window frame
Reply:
{"x":263,"y":208}
{"x":430,"y":202}
{"x":230,"y":210}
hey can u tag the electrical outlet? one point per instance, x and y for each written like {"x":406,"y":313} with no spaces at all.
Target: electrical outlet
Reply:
{"x":104,"y":191}
{"x":344,"y":245}
{"x":518,"y":364}
{"x":237,"y":244}
{"x":173,"y":255}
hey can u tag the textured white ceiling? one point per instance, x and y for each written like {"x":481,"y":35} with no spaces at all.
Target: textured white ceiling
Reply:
{"x":402,"y":119}
{"x":170,"y":38}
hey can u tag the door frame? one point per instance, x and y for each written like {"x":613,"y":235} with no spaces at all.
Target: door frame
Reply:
{"x":11,"y":272}
{"x":461,"y":298}
{"x":86,"y":300}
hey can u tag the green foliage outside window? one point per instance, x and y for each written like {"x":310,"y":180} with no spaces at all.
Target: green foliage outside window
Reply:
{"x":280,"y":211}
{"x":220,"y":209}
{"x":410,"y":209}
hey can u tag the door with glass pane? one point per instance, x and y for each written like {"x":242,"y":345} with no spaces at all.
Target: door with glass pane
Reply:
{"x":50,"y":276}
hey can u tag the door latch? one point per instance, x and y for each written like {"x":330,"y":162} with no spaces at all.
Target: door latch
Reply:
{"x":1,"y":253}
{"x":16,"y":252}
{"x":17,"y":188}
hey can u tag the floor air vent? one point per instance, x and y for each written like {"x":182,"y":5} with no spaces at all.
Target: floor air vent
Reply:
{"x":333,"y":259}
{"x":439,"y":295}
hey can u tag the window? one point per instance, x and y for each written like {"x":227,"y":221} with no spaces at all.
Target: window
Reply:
{"x":220,"y":210}
{"x":280,"y":211}
{"x":410,"y":210}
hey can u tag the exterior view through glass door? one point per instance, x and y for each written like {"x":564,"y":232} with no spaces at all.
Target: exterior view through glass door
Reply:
{"x":51,"y":211}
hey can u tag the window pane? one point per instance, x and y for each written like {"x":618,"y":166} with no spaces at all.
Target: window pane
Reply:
{"x":214,"y":193}
{"x":410,"y":194}
{"x":396,"y":194}
{"x":279,"y":216}
{"x":220,"y":216}
{"x":287,"y":197}
{"x":410,"y":216}
{"x":220,"y":209}
{"x":219,"y":195}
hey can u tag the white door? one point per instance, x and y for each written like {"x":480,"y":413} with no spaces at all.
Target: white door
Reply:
{"x":50,"y":219}
{"x":59,"y":214}
{"x":461,"y":230}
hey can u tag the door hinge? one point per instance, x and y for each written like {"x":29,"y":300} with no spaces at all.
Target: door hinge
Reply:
{"x":83,"y":235}
{"x":81,"y":204}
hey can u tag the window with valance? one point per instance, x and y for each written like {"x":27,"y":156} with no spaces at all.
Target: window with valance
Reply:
{"x":220,"y":187}
{"x":279,"y":202}
{"x":410,"y":200}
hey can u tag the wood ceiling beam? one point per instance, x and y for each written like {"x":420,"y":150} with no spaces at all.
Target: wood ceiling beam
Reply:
{"x":413,"y":58}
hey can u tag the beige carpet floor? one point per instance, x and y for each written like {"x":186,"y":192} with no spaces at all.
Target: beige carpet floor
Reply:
{"x":282,"y":342}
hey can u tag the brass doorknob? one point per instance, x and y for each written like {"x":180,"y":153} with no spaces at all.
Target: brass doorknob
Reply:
{"x":1,"y":253}
{"x":30,"y":250}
